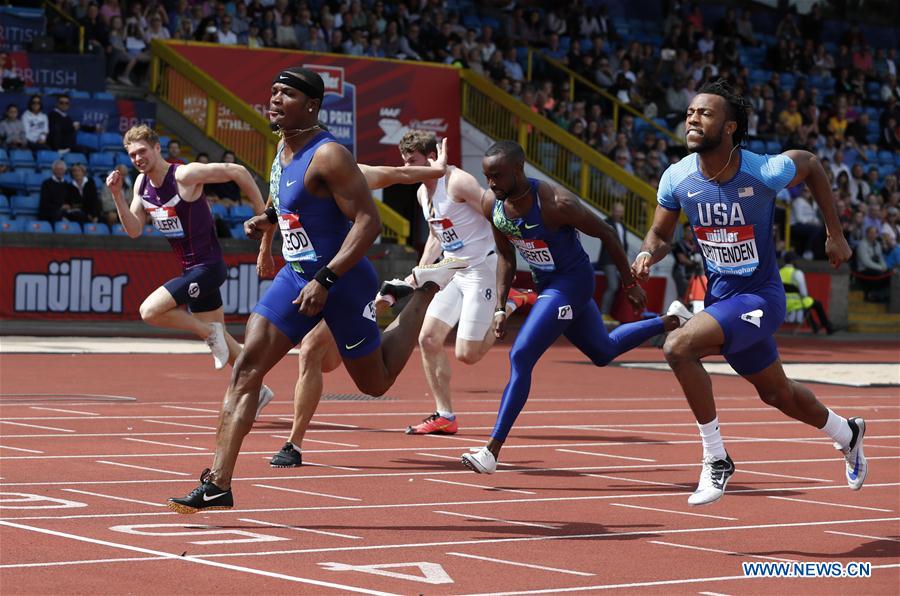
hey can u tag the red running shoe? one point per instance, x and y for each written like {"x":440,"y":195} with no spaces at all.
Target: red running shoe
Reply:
{"x":434,"y":425}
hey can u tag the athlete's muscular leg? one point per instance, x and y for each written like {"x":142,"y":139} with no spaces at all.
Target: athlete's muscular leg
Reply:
{"x":160,"y":310}
{"x":318,"y":355}
{"x":264,"y":346}
{"x":701,"y":336}
{"x":218,"y":316}
{"x":792,"y":398}
{"x":435,"y":362}
{"x":376,"y":372}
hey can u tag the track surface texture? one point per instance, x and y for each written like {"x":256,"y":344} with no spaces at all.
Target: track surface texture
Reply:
{"x":590,"y":496}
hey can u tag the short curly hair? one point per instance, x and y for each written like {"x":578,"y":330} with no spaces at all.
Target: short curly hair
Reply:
{"x":418,"y":140}
{"x":737,"y":105}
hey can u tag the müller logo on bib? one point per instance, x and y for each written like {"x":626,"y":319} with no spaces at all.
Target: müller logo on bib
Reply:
{"x":729,"y":251}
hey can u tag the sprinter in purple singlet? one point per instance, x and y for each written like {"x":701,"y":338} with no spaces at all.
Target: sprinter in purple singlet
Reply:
{"x":171,"y":197}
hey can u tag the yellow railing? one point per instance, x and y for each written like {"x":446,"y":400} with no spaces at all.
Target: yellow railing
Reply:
{"x":554,"y":151}
{"x":63,"y":15}
{"x":233,"y":123}
{"x":536,"y":57}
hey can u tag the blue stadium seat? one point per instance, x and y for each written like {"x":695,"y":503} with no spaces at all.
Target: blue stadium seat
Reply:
{"x":123,"y":159}
{"x":25,"y":205}
{"x":163,"y":143}
{"x":34,"y":180}
{"x":4,"y":156}
{"x":773,"y":147}
{"x":38,"y":226}
{"x":67,"y":227}
{"x":897,"y":159}
{"x":104,"y":95}
{"x":91,"y":140}
{"x":149,"y":230}
{"x":12,"y":225}
{"x":78,"y":94}
{"x":219,"y":210}
{"x":101,"y":162}
{"x":95,"y":229}
{"x":237,"y":232}
{"x":886,"y":170}
{"x":73,"y":158}
{"x":22,"y":158}
{"x":111,"y":141}
{"x":239,"y":214}
{"x":14,"y":180}
{"x":757,"y":146}
{"x":886,"y":158}
{"x":45,"y":158}
{"x":119,"y":230}
{"x":5,"y":211}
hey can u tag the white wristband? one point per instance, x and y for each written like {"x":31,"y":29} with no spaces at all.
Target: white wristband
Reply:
{"x":643,"y":253}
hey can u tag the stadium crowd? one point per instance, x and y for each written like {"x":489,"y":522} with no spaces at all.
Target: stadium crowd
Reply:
{"x":833,"y":92}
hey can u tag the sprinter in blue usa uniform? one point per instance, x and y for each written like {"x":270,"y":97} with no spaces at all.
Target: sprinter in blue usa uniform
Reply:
{"x":728,"y":196}
{"x":542,"y":221}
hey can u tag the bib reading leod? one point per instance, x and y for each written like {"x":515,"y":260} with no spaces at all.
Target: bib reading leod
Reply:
{"x":296,"y":245}
{"x":729,"y":251}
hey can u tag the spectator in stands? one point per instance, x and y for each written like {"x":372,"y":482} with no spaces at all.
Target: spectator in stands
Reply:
{"x":315,"y":43}
{"x":227,"y":193}
{"x":688,"y":262}
{"x":226,"y":34}
{"x":285,"y":34}
{"x":514,"y":70}
{"x":888,"y":138}
{"x":173,"y":153}
{"x":96,"y":33}
{"x":109,"y":10}
{"x":872,"y":267}
{"x":623,"y":160}
{"x":108,"y":203}
{"x":12,"y":131}
{"x":411,"y":46}
{"x":890,"y":229}
{"x":798,"y":298}
{"x":789,"y":121}
{"x":56,"y":194}
{"x":10,"y":81}
{"x":857,"y":185}
{"x":36,"y":123}
{"x":837,"y":163}
{"x":138,"y":53}
{"x":62,"y":128}
{"x":84,"y":204}
{"x":116,"y":52}
{"x":807,"y":230}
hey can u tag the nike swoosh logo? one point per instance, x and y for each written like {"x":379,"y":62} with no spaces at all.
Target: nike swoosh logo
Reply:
{"x":694,"y":194}
{"x":855,"y":473}
{"x":207,"y":497}
{"x":542,"y":296}
{"x":527,"y":227}
{"x":289,"y":183}
{"x":357,"y":344}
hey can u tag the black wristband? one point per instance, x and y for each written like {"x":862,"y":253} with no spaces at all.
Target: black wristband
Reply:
{"x":271,"y":214}
{"x":326,"y":277}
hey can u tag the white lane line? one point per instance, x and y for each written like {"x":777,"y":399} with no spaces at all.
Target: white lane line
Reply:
{"x":84,"y":492}
{"x":20,"y":449}
{"x":639,"y":481}
{"x":788,"y":476}
{"x":299,"y":529}
{"x":490,"y":488}
{"x":309,"y":463}
{"x":306,"y":440}
{"x":65,"y":411}
{"x":191,"y":559}
{"x":606,"y":455}
{"x":85,"y":562}
{"x":62,"y":430}
{"x":674,"y":511}
{"x":719,"y":551}
{"x":863,"y":536}
{"x":457,"y":458}
{"x":325,"y":423}
{"x":832,"y":504}
{"x":455,"y":438}
{"x":529,"y":565}
{"x":180,"y":424}
{"x":204,"y":410}
{"x":307,"y":492}
{"x":166,"y":444}
{"x":712,"y":594}
{"x":115,"y":463}
{"x":497,"y":519}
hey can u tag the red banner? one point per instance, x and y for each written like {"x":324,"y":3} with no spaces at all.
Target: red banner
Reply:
{"x":91,"y":284}
{"x":369,"y":104}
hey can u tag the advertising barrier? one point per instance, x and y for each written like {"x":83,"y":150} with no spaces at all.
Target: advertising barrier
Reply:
{"x":67,"y":71}
{"x":369,"y":104}
{"x":112,"y":115}
{"x":19,"y":27}
{"x":94,"y":284}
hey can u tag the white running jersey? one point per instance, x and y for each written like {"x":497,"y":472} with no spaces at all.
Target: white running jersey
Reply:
{"x":462,"y":230}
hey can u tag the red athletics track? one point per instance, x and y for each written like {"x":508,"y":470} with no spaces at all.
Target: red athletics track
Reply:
{"x":590,"y":496}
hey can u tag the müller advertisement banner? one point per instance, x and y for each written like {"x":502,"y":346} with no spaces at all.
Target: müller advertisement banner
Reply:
{"x":93,"y":284}
{"x":369,"y":104}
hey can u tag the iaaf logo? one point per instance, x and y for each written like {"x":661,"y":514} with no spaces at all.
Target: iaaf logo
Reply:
{"x":332,"y":76}
{"x":394,"y":129}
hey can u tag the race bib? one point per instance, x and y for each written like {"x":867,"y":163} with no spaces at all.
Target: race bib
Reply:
{"x":167,"y":222}
{"x":296,"y":245}
{"x":446,"y":233}
{"x":536,"y":253}
{"x":729,"y":251}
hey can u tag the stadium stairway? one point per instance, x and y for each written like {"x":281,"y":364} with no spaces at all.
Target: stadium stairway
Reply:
{"x":870,"y":317}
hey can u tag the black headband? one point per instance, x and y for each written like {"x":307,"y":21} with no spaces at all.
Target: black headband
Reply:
{"x":295,"y":80}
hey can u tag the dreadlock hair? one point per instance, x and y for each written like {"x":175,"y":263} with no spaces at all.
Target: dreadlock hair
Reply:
{"x":508,"y":149}
{"x":737,"y":106}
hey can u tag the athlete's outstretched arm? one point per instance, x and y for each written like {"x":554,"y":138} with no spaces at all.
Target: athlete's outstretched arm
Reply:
{"x":383,"y":176}
{"x":197,"y":174}
{"x":506,"y":265}
{"x":656,"y":242}
{"x":810,"y":170}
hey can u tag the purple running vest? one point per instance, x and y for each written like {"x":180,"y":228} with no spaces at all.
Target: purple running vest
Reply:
{"x":188,"y":226}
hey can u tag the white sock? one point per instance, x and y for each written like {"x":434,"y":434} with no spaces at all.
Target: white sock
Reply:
{"x":712,"y":439}
{"x":296,"y":447}
{"x":447,"y":415}
{"x":838,"y":429}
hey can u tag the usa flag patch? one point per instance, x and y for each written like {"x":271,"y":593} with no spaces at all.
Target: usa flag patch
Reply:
{"x":745,"y":192}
